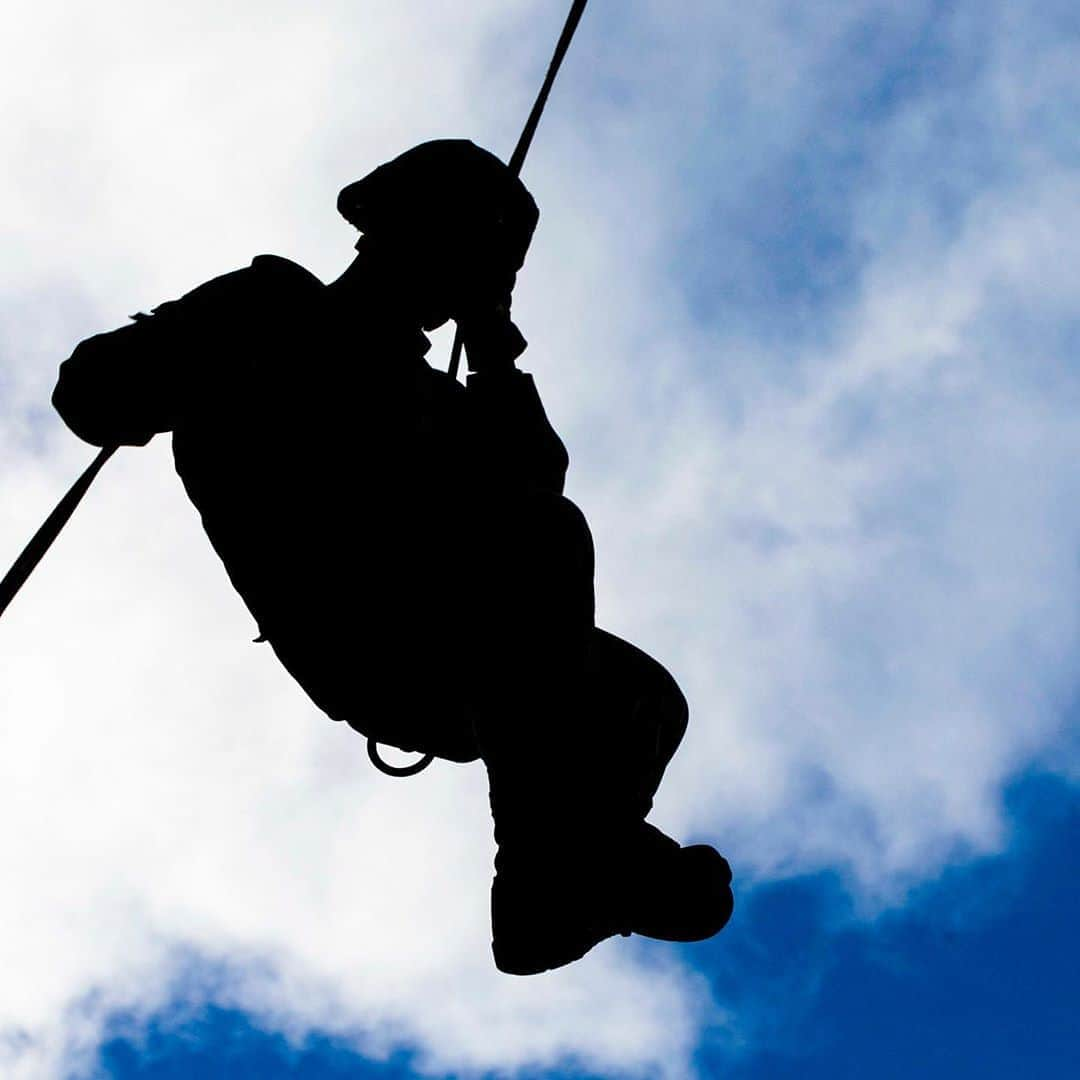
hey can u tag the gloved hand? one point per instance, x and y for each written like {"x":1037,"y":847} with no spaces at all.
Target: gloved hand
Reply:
{"x":482,"y":312}
{"x":492,"y":341}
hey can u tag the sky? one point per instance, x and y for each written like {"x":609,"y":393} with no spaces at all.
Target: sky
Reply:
{"x":802,"y":304}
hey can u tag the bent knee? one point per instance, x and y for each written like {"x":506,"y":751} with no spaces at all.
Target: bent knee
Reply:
{"x":553,"y":531}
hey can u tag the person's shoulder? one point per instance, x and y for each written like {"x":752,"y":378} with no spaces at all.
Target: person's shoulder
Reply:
{"x":278,"y":268}
{"x":268,"y":279}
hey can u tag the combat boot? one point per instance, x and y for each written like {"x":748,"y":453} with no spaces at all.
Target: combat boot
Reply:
{"x":550,"y":907}
{"x":577,"y":863}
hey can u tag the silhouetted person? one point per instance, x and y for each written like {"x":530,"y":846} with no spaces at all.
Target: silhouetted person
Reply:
{"x":404,"y":545}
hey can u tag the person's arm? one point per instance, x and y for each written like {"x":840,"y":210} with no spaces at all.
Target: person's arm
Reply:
{"x":125,"y":386}
{"x":120,"y":388}
{"x":513,"y":440}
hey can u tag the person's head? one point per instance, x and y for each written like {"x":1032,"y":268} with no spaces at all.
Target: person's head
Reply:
{"x":447,"y":222}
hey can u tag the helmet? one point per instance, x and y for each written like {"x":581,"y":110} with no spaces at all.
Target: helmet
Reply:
{"x":447,"y":189}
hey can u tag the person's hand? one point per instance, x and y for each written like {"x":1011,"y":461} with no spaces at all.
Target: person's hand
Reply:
{"x":492,"y":341}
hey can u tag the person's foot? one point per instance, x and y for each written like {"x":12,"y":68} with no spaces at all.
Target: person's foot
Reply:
{"x":547,"y":912}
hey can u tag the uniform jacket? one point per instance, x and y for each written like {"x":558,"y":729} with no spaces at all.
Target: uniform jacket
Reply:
{"x":330,"y":463}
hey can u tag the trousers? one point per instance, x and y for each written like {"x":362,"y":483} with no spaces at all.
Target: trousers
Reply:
{"x":492,"y":651}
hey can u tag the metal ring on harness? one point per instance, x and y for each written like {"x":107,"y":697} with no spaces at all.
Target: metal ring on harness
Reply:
{"x":396,"y":770}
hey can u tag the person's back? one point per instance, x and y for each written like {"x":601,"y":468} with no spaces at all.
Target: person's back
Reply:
{"x":325,"y":457}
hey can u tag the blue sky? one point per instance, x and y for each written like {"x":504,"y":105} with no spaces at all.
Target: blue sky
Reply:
{"x":976,"y":976}
{"x":803,"y":304}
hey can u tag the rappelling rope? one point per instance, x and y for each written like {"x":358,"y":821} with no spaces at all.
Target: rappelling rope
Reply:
{"x":42,"y":540}
{"x":517,"y":158}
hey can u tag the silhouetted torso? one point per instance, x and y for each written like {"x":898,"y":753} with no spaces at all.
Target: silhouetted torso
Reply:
{"x":346,"y":485}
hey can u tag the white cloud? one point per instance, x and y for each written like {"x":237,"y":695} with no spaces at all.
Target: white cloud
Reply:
{"x":859,"y":555}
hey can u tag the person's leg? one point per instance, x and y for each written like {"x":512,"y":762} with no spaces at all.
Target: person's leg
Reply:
{"x":532,"y":603}
{"x":575,"y":728}
{"x":645,"y":712}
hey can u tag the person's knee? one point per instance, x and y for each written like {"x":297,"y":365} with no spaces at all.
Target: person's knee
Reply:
{"x":531,"y":587}
{"x":554,"y":535}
